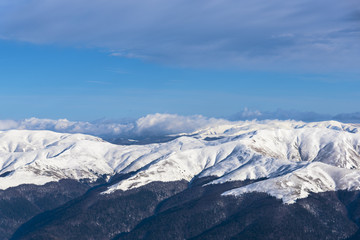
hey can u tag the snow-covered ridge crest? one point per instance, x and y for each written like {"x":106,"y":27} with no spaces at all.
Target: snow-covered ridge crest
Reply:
{"x":295,"y":158}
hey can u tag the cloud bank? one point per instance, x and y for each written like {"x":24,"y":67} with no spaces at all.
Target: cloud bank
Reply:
{"x":258,"y":34}
{"x":153,"y":125}
{"x":160,"y":125}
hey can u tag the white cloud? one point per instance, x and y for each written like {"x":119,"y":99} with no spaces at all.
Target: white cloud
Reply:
{"x":162,"y":124}
{"x":64,"y":125}
{"x":8,"y":124}
{"x":150,"y":125}
{"x":157,"y":125}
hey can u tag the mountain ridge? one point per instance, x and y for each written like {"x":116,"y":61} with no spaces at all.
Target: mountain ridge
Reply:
{"x":285,"y":153}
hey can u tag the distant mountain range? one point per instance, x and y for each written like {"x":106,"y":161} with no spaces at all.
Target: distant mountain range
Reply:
{"x":281,"y":114}
{"x":233,"y":180}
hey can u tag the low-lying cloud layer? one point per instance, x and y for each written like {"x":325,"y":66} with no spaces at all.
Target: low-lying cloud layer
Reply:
{"x":152,"y":125}
{"x":157,"y":125}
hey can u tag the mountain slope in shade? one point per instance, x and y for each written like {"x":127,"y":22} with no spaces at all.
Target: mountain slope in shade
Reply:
{"x":294,"y":158}
{"x":177,"y":210}
{"x":19,"y":204}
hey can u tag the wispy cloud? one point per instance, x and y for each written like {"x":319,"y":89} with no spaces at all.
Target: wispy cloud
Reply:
{"x":255,"y":34}
{"x":118,"y":70}
{"x":127,"y":55}
{"x":99,"y":82}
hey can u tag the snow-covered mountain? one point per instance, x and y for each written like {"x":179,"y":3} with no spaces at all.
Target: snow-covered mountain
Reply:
{"x":289,"y":159}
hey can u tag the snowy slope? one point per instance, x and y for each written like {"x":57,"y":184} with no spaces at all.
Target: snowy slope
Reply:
{"x":296,"y":158}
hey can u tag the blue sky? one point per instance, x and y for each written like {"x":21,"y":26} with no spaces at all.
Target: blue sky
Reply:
{"x":85,"y":60}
